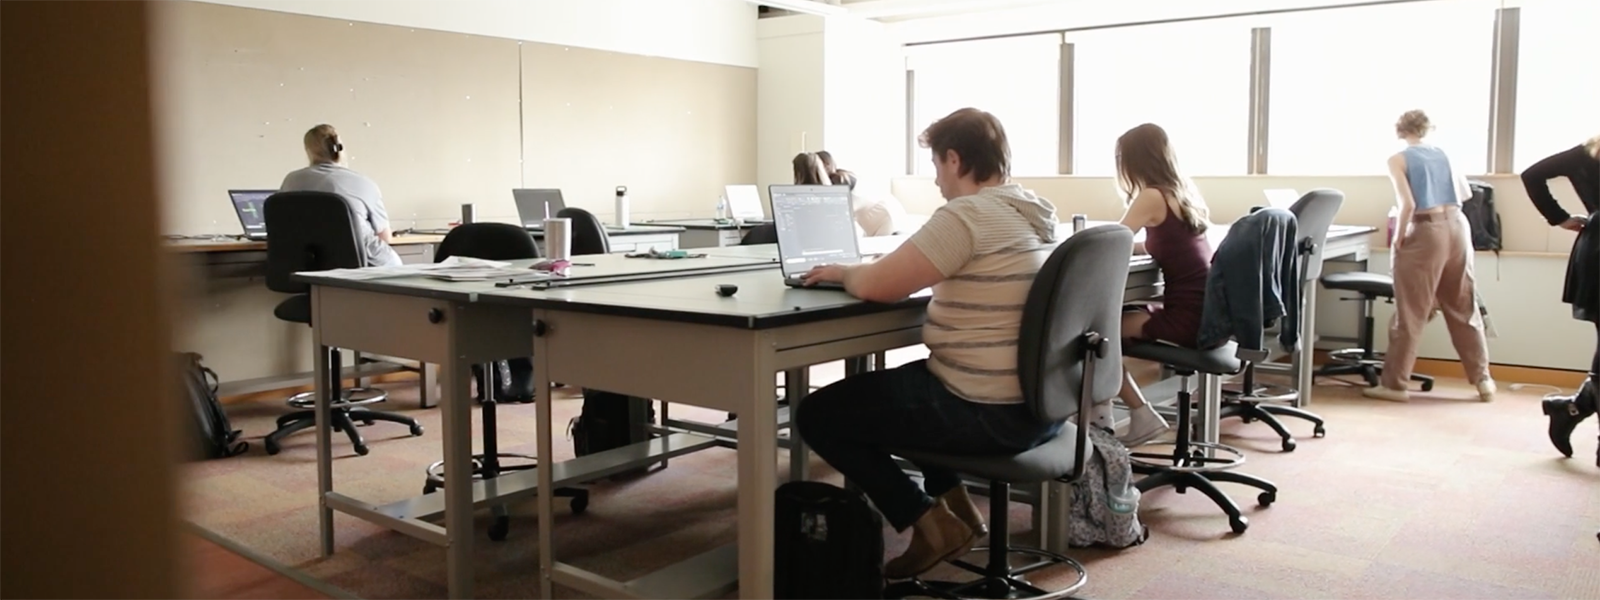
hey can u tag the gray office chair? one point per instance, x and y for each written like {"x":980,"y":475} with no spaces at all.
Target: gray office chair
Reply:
{"x":495,"y":241}
{"x":1199,"y":463}
{"x":588,"y":234}
{"x":1068,"y":360}
{"x":765,"y":233}
{"x":1363,"y":360}
{"x":1249,"y":401}
{"x":314,"y":231}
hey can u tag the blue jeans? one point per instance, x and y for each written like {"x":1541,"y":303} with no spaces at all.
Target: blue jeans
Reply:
{"x":854,"y":423}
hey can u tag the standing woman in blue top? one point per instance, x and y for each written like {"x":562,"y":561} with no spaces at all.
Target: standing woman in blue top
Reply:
{"x":1580,"y":165}
{"x":327,"y":173}
{"x":1432,"y":254}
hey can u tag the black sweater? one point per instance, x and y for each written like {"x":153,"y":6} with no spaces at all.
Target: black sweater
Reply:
{"x":1582,"y":170}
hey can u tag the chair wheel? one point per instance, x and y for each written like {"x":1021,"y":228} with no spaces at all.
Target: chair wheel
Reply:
{"x":579,"y":504}
{"x":429,"y":489}
{"x":1288,"y":445}
{"x":367,"y":422}
{"x":272,"y":447}
{"x":1319,"y":431}
{"x":361,"y":449}
{"x":1427,"y":386}
{"x":1267,"y":498}
{"x":500,"y":528}
{"x":1240,"y":524}
{"x":416,"y":429}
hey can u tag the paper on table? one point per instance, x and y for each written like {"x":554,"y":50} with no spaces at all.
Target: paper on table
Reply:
{"x":455,"y":266}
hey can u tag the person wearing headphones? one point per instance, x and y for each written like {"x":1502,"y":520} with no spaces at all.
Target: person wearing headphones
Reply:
{"x":328,"y":173}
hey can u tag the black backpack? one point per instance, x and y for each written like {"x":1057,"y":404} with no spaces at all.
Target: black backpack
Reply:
{"x":217,"y":438}
{"x":829,"y":543}
{"x":1482,"y":218}
{"x":610,"y":420}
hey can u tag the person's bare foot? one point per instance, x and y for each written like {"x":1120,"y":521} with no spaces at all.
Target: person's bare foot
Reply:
{"x":935,"y":537}
{"x":1389,"y":394}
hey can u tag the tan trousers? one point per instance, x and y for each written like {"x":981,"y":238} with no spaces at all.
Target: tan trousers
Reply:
{"x":1433,"y":270}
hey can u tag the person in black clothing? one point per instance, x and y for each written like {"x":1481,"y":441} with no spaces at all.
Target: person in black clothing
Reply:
{"x":1581,"y":166}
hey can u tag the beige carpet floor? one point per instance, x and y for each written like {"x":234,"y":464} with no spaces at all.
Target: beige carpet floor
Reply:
{"x":1442,"y":497}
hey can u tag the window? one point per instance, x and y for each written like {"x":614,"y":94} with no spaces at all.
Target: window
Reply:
{"x":1192,"y":79}
{"x":1558,"y":86}
{"x":1016,"y":79}
{"x":1341,"y":77}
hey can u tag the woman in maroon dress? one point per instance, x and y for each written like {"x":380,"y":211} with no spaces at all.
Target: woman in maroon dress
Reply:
{"x":1167,"y":206}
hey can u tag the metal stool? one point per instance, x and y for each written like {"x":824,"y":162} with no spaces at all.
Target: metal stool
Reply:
{"x":1194,"y":463}
{"x":492,"y":463}
{"x":1363,"y":360}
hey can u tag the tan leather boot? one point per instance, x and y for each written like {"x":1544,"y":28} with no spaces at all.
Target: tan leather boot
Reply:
{"x":936,"y":537}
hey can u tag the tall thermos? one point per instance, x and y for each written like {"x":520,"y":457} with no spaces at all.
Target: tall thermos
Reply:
{"x":469,"y":214}
{"x":622,"y":207}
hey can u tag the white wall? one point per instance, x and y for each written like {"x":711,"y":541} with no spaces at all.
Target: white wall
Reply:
{"x":713,"y":31}
{"x":789,"y":95}
{"x":864,"y":99}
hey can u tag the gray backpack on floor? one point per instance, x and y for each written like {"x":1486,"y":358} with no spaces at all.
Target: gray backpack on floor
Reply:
{"x":1095,"y":521}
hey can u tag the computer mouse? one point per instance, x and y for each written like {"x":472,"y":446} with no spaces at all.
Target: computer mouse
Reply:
{"x":727,"y":289}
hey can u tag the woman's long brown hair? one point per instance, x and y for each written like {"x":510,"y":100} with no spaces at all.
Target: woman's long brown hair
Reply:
{"x":1145,"y":160}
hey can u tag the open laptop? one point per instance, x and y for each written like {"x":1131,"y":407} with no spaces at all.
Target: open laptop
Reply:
{"x":248,"y":204}
{"x":815,"y":227}
{"x":744,"y":204}
{"x":1281,"y":198}
{"x":536,"y":205}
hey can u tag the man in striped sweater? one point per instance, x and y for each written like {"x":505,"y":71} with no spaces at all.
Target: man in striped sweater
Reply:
{"x":979,"y":253}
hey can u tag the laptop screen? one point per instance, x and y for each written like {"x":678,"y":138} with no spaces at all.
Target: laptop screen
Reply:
{"x":532,"y":205}
{"x":1281,"y":198}
{"x":744,"y":202}
{"x":248,"y":204}
{"x":814,"y":226}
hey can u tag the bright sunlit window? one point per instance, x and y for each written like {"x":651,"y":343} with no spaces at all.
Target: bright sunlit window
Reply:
{"x":1015,"y":79}
{"x":1558,"y":83}
{"x":1192,"y":79}
{"x":1340,"y":78}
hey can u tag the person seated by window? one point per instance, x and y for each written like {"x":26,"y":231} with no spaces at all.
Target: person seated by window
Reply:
{"x":979,"y":252}
{"x":1167,"y":206}
{"x":877,"y":215}
{"x":808,"y":170}
{"x":328,"y":173}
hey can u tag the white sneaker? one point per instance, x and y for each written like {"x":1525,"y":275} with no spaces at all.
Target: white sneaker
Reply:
{"x":1145,"y":425}
{"x":1486,"y":390}
{"x":1383,"y":393}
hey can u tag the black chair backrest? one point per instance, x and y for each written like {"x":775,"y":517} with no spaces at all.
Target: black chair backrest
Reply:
{"x":308,"y":231}
{"x":1078,"y":290}
{"x":765,"y":233}
{"x":488,"y":241}
{"x":1314,"y":214}
{"x":588,"y":234}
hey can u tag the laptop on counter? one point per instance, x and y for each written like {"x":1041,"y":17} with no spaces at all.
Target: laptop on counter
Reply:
{"x":536,"y":205}
{"x":815,"y":227}
{"x":744,"y":204}
{"x":248,"y":205}
{"x":1281,"y":198}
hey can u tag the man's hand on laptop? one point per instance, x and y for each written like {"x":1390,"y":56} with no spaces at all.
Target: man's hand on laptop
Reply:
{"x":823,"y":273}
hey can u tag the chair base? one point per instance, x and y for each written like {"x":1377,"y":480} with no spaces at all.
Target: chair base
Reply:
{"x":1251,"y":402}
{"x":489,"y":467}
{"x":1010,"y":584}
{"x":997,"y":579}
{"x":1181,"y":481}
{"x":343,"y":419}
{"x":1369,"y":365}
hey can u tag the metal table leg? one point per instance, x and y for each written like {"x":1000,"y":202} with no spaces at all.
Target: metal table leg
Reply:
{"x":327,"y":384}
{"x":1305,"y":379}
{"x":456,"y":405}
{"x":796,"y":385}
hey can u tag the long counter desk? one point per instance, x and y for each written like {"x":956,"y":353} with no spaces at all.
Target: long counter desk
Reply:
{"x":579,"y":335}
